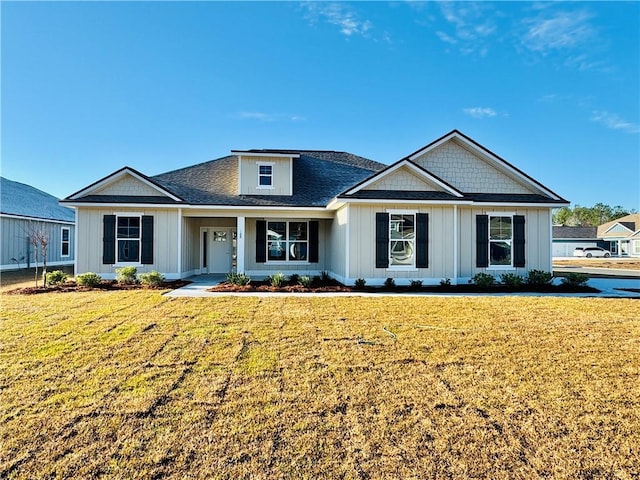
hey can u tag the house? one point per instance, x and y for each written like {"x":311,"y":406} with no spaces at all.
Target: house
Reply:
{"x":25,"y":210}
{"x":567,"y":239}
{"x":447,"y":211}
{"x":622,"y":236}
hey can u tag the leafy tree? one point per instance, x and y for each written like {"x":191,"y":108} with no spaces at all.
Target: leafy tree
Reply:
{"x":580,"y":216}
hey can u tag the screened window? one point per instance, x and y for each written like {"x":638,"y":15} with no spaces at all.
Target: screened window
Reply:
{"x":500,"y":241}
{"x":128,"y":239}
{"x":402,"y":239}
{"x":287,"y":241}
{"x":65,"y":246}
{"x":265,"y":175}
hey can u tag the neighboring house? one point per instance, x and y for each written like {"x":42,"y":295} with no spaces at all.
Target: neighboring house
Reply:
{"x":25,"y":209}
{"x":447,"y":211}
{"x":567,"y":239}
{"x":622,"y":236}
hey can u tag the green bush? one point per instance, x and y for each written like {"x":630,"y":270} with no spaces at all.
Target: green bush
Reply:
{"x":88,"y":279}
{"x":415,"y":285}
{"x":294,"y":279}
{"x":325,"y":279}
{"x":305,"y":281}
{"x":575,"y":279}
{"x":445,"y":282}
{"x":538,"y":278}
{"x":126,"y":275}
{"x":277,"y":279}
{"x":151,"y":279}
{"x":511,"y":280}
{"x":483,"y":280}
{"x":359,"y":283}
{"x":56,"y":277}
{"x":389,"y":283}
{"x":240,"y":279}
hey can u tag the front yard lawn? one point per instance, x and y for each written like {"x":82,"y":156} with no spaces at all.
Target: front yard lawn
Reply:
{"x":129,"y":384}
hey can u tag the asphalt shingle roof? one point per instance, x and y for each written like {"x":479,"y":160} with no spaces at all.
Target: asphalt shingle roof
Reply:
{"x":26,"y":201}
{"x":585,"y":233}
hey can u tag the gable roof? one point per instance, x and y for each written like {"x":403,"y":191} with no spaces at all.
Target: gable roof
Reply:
{"x":574,"y":233}
{"x":24,"y":200}
{"x":629,"y":223}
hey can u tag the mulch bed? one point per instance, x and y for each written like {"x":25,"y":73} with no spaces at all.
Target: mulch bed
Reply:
{"x":71,"y":286}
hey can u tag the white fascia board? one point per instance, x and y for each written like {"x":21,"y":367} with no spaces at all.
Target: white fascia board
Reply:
{"x":418,"y":171}
{"x":616,"y":225}
{"x":355,"y":201}
{"x":116,"y":176}
{"x":37,"y":219}
{"x":264,"y":154}
{"x":497,"y":162}
{"x":512,"y":204}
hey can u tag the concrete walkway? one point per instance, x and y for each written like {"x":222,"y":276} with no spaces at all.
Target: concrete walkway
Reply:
{"x":609,"y":287}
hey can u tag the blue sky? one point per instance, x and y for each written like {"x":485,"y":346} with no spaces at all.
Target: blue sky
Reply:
{"x":554,"y":88}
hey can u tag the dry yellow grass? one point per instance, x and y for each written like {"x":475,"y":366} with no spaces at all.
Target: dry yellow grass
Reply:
{"x":133,"y":385}
{"x":617,"y":263}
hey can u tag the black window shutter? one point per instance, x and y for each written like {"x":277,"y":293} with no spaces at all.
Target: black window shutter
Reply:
{"x":109,"y":239}
{"x":482,"y":240}
{"x":382,"y":240}
{"x":422,"y":240}
{"x":146,"y":256}
{"x":261,"y":241}
{"x":518,"y":241}
{"x":313,"y":241}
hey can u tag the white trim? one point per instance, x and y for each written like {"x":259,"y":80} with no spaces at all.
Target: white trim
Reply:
{"x":76,"y":234}
{"x":402,"y":268}
{"x":240,"y":153}
{"x":456,"y":243}
{"x":116,"y":176}
{"x":615,"y":225}
{"x":239,"y":175}
{"x":271,"y":186}
{"x":483,"y":152}
{"x":62,"y":242}
{"x":185,"y":206}
{"x":347,"y":247}
{"x":137,"y":263}
{"x":291,"y":176}
{"x":240,"y":253}
{"x":417,"y":170}
{"x":499,"y":267}
{"x":180,"y":222}
{"x":287,"y":242}
{"x":36,"y":219}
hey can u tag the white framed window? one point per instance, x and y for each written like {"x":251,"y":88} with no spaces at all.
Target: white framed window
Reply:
{"x":402,"y":239}
{"x":265,"y":175}
{"x":128,"y":238}
{"x":500,"y":240}
{"x":635,"y":247}
{"x":65,"y":242}
{"x":287,"y":241}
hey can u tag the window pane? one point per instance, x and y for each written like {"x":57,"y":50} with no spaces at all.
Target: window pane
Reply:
{"x":500,"y":253}
{"x":65,"y":249}
{"x":276,"y":230}
{"x":500,"y":228}
{"x":401,"y":252}
{"x":298,"y":251}
{"x":65,"y":235}
{"x":219,"y":236}
{"x":128,"y":250}
{"x":402,"y":226}
{"x":297,"y":230}
{"x":265,"y":169}
{"x":276,"y":250}
{"x":128,"y":227}
{"x":264,"y":180}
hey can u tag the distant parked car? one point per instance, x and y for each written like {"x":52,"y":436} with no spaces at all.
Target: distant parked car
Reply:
{"x":591,"y":252}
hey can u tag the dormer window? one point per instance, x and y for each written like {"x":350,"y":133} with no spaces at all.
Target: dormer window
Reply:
{"x":265,"y":175}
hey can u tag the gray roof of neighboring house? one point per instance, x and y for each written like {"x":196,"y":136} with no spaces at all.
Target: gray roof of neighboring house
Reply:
{"x":574,"y":233}
{"x":26,"y":201}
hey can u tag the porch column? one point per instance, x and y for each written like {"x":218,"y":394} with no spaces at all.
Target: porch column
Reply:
{"x":240,"y":245}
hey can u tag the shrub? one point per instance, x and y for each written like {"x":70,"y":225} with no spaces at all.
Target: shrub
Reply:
{"x":240,"y":279}
{"x":325,"y":278}
{"x":277,"y":279}
{"x":126,"y":275}
{"x":538,"y":278}
{"x":316,"y":280}
{"x":359,"y":283}
{"x":88,"y":279}
{"x":574,"y":279}
{"x":151,"y":279}
{"x":294,"y":279}
{"x":483,"y":280}
{"x":511,"y":280}
{"x":415,"y":285}
{"x":445,"y":282}
{"x":305,"y":281}
{"x":56,"y":277}
{"x":389,"y":283}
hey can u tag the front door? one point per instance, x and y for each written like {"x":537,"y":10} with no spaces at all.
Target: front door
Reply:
{"x":218,"y":249}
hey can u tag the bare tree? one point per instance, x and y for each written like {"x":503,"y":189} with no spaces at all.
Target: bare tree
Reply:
{"x":38,"y":235}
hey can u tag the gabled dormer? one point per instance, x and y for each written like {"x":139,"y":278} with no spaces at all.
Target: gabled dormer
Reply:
{"x":265,"y":172}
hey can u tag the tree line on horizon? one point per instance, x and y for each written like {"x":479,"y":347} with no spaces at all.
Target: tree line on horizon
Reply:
{"x":579,"y":216}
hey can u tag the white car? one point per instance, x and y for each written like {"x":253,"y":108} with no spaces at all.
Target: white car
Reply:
{"x":591,"y":252}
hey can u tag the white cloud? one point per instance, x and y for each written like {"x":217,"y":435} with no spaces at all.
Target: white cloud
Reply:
{"x":473,"y":26}
{"x":554,"y":31}
{"x":268,"y":117}
{"x":614,"y":122}
{"x":480,"y":112}
{"x":340,"y":15}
